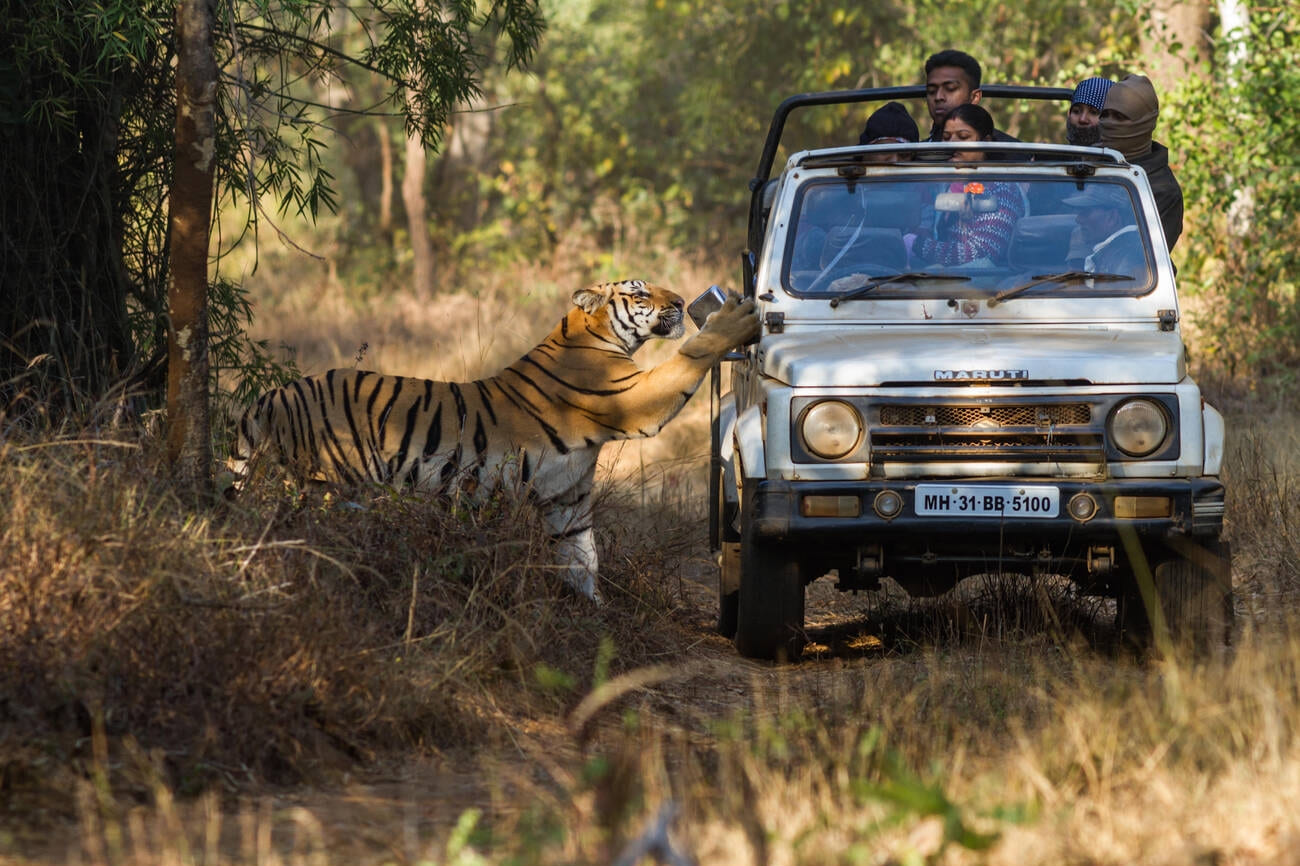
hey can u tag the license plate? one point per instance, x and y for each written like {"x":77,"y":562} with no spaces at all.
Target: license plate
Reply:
{"x":987,"y":500}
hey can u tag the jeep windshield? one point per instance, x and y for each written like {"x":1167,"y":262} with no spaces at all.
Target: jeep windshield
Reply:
{"x":996,"y":234}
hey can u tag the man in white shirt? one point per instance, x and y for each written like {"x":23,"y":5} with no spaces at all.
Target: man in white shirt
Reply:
{"x":1111,"y":238}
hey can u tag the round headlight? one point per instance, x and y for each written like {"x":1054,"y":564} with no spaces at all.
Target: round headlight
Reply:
{"x":831,"y":429}
{"x":1138,"y":427}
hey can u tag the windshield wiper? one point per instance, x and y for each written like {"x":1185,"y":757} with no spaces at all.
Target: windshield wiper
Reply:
{"x":1062,"y":277}
{"x":873,"y":283}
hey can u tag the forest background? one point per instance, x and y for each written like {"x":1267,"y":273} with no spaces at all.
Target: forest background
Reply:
{"x":619,"y":142}
{"x":627,"y":147}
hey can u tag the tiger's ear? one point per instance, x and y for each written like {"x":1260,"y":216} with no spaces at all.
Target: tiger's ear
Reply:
{"x":594,"y":297}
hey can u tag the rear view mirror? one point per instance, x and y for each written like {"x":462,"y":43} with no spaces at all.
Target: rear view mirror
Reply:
{"x":950,"y":202}
{"x":955,"y":202}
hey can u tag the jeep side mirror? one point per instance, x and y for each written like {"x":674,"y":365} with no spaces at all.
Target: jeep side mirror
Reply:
{"x":699,"y":309}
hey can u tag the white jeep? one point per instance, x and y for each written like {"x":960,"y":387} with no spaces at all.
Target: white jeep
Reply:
{"x":956,"y":377}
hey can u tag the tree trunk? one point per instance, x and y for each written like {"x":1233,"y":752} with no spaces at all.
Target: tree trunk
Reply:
{"x":413,"y":198}
{"x":189,"y":444}
{"x":385,"y":176}
{"x":1177,"y":37}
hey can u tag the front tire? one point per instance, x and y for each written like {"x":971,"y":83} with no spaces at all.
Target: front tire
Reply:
{"x":728,"y":542}
{"x":1192,"y":580}
{"x":1195,"y":590}
{"x":769,"y":621}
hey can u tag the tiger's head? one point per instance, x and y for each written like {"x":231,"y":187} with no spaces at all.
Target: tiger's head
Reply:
{"x":635,"y":310}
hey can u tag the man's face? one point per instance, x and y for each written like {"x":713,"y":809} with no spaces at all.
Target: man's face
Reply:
{"x":1097,"y":223}
{"x":946,"y":88}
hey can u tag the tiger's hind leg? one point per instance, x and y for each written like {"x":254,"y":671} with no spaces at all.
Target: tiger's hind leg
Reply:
{"x":577,"y":559}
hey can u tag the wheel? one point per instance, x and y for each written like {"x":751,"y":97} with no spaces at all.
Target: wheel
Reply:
{"x":729,"y":563}
{"x":729,"y":589}
{"x":769,"y":616}
{"x":1193,"y":589}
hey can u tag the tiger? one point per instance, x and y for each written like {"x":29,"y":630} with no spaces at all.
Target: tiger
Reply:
{"x":537,"y":426}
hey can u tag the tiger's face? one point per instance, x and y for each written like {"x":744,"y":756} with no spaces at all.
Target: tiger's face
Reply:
{"x":636,"y":309}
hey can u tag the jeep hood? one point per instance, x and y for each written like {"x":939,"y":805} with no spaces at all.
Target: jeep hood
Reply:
{"x":820,"y":357}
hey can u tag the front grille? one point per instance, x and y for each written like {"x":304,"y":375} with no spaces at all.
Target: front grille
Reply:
{"x":1023,"y":432}
{"x":893,"y":415}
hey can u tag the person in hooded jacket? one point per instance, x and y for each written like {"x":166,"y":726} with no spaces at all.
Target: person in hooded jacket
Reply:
{"x":1128,"y":118}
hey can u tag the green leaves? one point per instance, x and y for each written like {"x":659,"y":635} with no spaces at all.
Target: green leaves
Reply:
{"x":1238,"y":148}
{"x":659,"y":109}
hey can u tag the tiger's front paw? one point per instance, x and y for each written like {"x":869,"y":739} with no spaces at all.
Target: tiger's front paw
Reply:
{"x":734,"y":323}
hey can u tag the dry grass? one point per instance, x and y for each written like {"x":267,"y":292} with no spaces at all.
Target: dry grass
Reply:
{"x":276,"y":638}
{"x":450,"y":703}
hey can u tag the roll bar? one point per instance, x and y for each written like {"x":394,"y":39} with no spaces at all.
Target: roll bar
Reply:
{"x":849,"y":97}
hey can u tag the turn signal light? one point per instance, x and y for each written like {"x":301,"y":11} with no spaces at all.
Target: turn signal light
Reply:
{"x":830,"y":506}
{"x":1137,"y":507}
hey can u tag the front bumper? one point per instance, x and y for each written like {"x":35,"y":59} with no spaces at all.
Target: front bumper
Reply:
{"x":1197,"y":506}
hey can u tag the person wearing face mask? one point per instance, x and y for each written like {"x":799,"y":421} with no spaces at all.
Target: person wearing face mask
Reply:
{"x":1082,"y":123}
{"x":1128,"y":117}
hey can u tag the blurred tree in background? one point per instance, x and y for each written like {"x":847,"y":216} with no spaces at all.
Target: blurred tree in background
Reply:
{"x":1239,"y":142}
{"x":642,"y":123}
{"x":87,"y":107}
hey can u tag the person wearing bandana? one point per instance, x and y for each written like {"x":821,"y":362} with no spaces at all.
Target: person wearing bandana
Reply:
{"x":1128,"y":118}
{"x":1082,"y":123}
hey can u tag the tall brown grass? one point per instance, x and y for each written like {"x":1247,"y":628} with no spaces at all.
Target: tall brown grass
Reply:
{"x":275,"y":637}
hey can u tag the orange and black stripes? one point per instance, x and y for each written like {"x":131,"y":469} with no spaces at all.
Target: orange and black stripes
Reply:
{"x":573,"y":391}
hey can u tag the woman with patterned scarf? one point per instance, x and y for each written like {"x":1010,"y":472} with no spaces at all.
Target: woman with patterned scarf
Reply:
{"x":969,"y":237}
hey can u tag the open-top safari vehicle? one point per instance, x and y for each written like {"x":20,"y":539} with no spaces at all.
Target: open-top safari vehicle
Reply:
{"x":1027,"y":411}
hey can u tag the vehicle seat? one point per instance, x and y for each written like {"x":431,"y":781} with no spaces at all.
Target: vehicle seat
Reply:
{"x":1041,"y":241}
{"x":877,"y":246}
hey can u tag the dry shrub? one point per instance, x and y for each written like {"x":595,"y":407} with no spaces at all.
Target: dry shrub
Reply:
{"x":996,"y":609}
{"x":1262,"y":472}
{"x":275,"y":637}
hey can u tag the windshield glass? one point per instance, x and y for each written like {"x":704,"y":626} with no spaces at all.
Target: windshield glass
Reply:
{"x":1007,"y":235}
